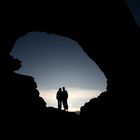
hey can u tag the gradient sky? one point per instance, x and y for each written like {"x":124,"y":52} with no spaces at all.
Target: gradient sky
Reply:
{"x":55,"y":61}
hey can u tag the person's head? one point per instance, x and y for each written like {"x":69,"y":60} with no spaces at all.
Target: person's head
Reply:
{"x":63,"y":88}
{"x":60,"y":89}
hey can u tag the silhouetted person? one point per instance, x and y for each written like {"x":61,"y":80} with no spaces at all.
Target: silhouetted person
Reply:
{"x":59,"y":98}
{"x":64,"y":99}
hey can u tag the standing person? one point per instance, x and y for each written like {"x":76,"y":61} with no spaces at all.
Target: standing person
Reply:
{"x":64,"y":99}
{"x":59,"y":98}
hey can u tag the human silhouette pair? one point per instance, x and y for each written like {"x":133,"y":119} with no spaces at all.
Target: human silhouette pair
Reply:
{"x":62,"y":96}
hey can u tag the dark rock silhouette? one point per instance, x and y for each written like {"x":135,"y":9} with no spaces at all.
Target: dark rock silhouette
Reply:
{"x":108,"y":34}
{"x":20,"y":91}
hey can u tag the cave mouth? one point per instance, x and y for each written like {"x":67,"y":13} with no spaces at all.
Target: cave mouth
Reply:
{"x":56,"y":61}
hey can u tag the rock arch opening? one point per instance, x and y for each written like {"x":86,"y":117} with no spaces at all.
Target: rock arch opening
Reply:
{"x":56,"y":61}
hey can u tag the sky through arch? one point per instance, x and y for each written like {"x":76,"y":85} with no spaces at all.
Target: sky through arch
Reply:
{"x":56,"y":61}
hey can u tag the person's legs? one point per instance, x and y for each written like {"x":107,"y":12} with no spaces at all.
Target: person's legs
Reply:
{"x":59,"y":104}
{"x":65,"y":105}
